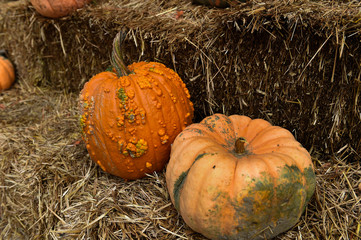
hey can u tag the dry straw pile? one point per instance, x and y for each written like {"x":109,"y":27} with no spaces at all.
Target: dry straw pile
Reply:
{"x":294,"y":63}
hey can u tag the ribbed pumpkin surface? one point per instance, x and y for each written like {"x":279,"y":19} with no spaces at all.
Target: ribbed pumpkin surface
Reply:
{"x":223,"y":194}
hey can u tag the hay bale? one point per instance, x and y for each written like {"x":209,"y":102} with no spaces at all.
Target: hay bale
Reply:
{"x":50,"y":189}
{"x":295,"y":64}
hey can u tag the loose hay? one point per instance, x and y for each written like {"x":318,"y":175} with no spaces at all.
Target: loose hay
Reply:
{"x":230,"y":61}
{"x":50,"y":189}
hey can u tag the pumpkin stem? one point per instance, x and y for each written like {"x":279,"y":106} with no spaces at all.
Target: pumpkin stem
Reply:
{"x":239,"y":145}
{"x":117,"y":56}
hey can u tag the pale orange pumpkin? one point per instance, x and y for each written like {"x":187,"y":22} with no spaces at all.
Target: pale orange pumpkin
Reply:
{"x":57,"y":8}
{"x":130,"y":117}
{"x":238,"y":178}
{"x":7,"y":73}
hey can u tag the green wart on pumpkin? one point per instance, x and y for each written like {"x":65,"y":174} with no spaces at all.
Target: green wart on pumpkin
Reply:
{"x":125,"y":129}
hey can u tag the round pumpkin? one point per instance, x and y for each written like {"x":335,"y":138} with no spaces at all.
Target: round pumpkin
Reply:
{"x":7,"y":73}
{"x":57,"y":8}
{"x":131,"y":115}
{"x":238,"y":178}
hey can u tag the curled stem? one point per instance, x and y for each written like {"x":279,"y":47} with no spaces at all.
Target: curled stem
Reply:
{"x":117,"y":56}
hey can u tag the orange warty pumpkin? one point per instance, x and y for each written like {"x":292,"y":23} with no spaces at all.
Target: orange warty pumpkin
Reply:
{"x":130,"y":118}
{"x":57,"y":8}
{"x":7,"y":73}
{"x":238,"y":178}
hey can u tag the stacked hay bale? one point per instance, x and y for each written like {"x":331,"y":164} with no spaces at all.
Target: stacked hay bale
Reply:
{"x":294,"y":64}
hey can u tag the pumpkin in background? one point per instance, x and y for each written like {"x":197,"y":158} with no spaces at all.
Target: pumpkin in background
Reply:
{"x":7,"y":73}
{"x":238,"y":178}
{"x":131,"y":115}
{"x":57,"y":8}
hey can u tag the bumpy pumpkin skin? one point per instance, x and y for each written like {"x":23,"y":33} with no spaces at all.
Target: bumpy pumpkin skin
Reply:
{"x":227,"y":195}
{"x":57,"y":8}
{"x":129,"y":122}
{"x":7,"y":74}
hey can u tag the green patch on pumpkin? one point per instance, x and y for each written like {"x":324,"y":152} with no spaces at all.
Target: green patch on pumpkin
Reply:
{"x":178,"y":185}
{"x":121,"y":94}
{"x":268,"y":209}
{"x":193,"y":130}
{"x":310,"y":182}
{"x":210,"y":123}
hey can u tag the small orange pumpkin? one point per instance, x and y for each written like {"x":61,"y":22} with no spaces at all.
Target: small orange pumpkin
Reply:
{"x":238,"y":178}
{"x":130,"y":117}
{"x":7,"y":73}
{"x":57,"y":8}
